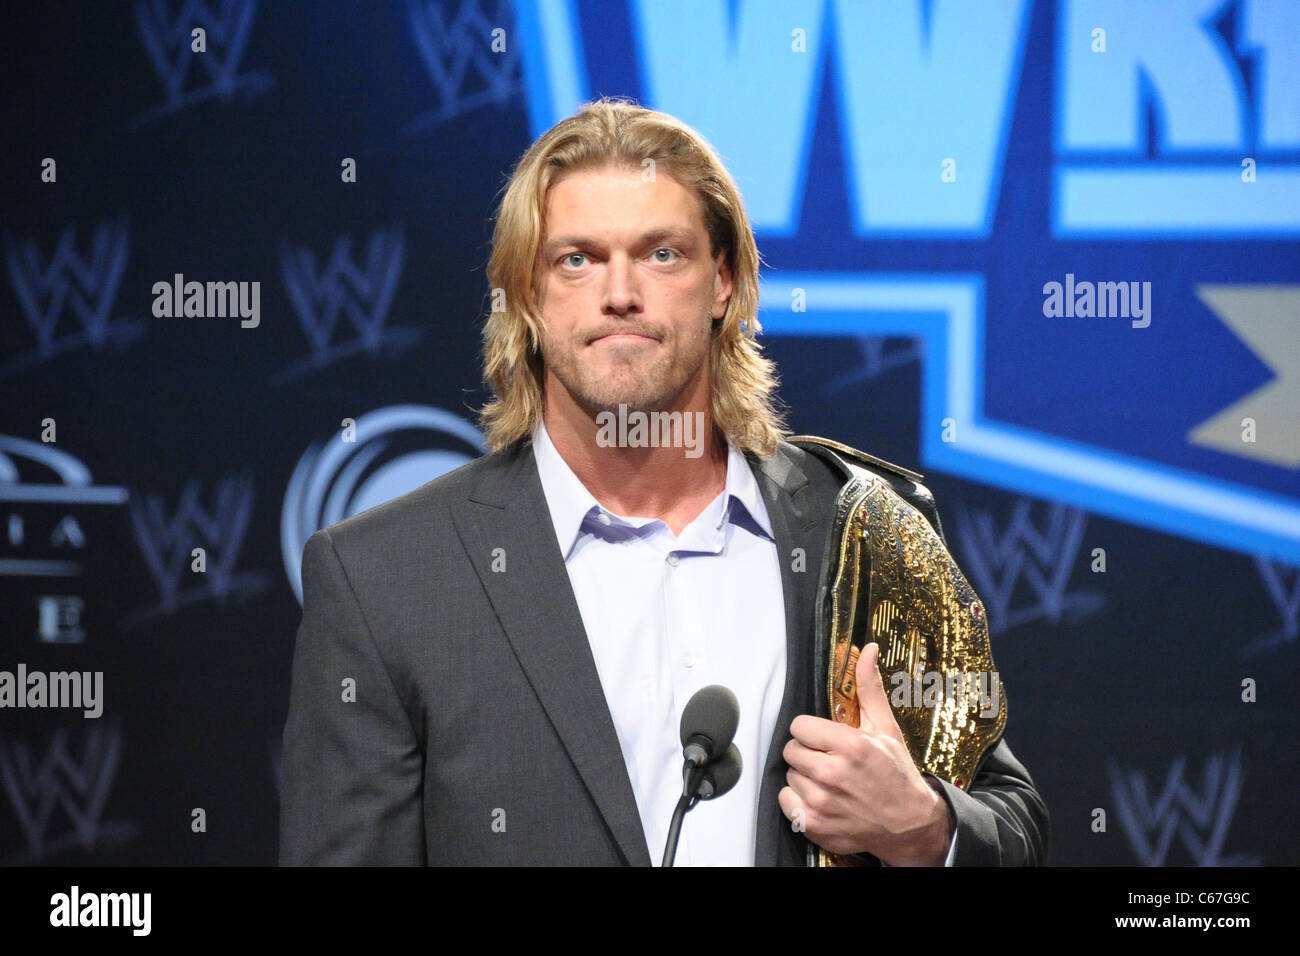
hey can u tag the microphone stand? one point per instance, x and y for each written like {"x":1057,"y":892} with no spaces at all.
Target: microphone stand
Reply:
{"x":692,"y":777}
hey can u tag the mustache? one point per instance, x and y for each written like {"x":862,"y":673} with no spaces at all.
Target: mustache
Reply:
{"x":626,"y":330}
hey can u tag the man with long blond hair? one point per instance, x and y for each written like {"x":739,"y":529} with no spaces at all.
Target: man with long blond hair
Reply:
{"x":524,"y":632}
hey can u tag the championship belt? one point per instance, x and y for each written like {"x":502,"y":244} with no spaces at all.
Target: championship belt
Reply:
{"x":887,"y":577}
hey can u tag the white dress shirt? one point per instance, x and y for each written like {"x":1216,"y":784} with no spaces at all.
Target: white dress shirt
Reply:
{"x":667,"y":615}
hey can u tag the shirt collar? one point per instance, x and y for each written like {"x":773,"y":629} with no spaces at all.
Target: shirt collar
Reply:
{"x":570,"y":502}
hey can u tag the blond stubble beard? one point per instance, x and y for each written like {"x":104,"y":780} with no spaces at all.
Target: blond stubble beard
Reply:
{"x":596,"y":395}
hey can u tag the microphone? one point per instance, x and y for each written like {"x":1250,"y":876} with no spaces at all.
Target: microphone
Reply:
{"x":709,"y":723}
{"x":721,"y":775}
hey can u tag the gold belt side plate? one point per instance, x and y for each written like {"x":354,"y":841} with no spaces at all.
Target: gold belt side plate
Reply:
{"x":896,"y":584}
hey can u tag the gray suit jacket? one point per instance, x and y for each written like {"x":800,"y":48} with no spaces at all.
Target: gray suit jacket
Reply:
{"x":478,"y":732}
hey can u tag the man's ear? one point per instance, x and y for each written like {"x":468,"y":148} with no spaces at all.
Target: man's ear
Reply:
{"x":722,"y":282}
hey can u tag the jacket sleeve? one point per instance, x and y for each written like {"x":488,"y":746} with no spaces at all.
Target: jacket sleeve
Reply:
{"x":1001,"y":821}
{"x":352,"y":764}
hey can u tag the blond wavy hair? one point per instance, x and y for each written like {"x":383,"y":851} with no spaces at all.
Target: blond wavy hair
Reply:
{"x":616,"y":132}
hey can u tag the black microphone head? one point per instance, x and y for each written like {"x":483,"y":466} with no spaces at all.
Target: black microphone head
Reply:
{"x":721,"y":775}
{"x":712,"y":713}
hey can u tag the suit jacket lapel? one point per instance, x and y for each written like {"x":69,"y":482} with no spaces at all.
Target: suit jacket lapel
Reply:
{"x":799,"y":521}
{"x":535,"y":603}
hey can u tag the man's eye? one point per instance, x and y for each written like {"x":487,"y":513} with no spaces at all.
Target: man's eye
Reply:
{"x":672,"y":252}
{"x":572,"y":255}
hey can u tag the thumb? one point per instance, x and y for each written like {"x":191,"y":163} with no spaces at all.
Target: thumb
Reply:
{"x":876,"y":716}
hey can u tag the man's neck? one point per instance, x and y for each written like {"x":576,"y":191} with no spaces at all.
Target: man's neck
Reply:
{"x":643,"y":482}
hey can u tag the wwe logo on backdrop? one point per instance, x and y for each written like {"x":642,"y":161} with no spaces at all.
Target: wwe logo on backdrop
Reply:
{"x":362,"y":293}
{"x":76,"y":288}
{"x":1282,"y":581}
{"x":1038,"y":558}
{"x":876,"y":357}
{"x":168,"y":546}
{"x":169,"y":42}
{"x":472,"y":61}
{"x":76,"y":780}
{"x":1199,"y":817}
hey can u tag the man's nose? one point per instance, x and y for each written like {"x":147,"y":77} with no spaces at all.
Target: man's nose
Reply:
{"x":622,"y":291}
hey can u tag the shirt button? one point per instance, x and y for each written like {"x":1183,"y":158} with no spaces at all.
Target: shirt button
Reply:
{"x":689,"y":660}
{"x":603,"y":518}
{"x":672,"y":559}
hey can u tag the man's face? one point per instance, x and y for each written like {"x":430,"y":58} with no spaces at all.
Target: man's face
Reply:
{"x":628,"y":291}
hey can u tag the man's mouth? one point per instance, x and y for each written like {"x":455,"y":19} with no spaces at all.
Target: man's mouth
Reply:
{"x":624,"y":337}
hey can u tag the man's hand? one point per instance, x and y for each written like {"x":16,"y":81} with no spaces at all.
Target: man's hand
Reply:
{"x":856,"y":790}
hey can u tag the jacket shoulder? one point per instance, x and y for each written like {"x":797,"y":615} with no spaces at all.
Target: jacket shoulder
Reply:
{"x":844,"y":458}
{"x":411,"y":512}
{"x":855,"y":455}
